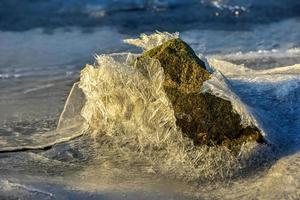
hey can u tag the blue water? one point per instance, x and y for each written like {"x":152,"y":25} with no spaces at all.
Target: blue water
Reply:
{"x":143,"y":15}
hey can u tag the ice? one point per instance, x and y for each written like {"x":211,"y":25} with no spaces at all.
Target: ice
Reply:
{"x":125,"y":102}
{"x":147,"y":42}
{"x":129,"y":123}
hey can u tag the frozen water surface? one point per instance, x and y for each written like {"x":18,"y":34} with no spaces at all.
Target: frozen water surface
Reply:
{"x":255,"y":49}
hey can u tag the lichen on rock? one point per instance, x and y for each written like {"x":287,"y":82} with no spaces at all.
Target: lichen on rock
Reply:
{"x":203,"y":117}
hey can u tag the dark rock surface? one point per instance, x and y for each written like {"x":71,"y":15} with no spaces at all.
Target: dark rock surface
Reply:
{"x":205,"y":118}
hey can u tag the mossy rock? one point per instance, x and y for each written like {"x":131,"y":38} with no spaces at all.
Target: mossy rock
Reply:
{"x":205,"y":118}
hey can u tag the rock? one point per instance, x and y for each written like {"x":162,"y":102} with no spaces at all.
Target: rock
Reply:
{"x":204,"y":118}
